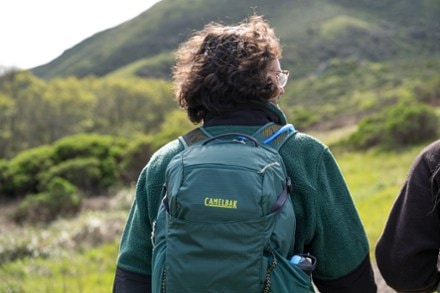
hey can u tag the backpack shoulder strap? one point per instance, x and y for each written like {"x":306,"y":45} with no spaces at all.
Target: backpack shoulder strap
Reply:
{"x":270,"y":134}
{"x":194,"y":136}
{"x":274,"y":135}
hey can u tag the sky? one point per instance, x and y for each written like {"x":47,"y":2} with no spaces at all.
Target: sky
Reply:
{"x":34,"y":32}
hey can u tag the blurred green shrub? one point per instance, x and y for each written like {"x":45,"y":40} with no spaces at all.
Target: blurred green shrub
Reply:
{"x":97,"y":157}
{"x":409,"y":124}
{"x":84,"y":173}
{"x":135,"y":157}
{"x":90,"y":162}
{"x":88,"y":145}
{"x":23,"y":170}
{"x":61,"y":198}
{"x":404,"y":124}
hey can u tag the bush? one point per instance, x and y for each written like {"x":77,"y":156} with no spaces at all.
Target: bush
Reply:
{"x":136,"y":157}
{"x":61,"y":199}
{"x":84,"y":173}
{"x":88,"y":145}
{"x":407,"y":123}
{"x":102,"y":154}
{"x":24,"y":170}
{"x":89,"y":161}
{"x":369,"y":133}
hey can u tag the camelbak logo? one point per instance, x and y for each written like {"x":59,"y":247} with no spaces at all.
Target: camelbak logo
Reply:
{"x":220,"y":203}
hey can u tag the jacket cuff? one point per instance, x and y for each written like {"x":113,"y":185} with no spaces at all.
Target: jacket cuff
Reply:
{"x":126,"y":281}
{"x":360,"y":280}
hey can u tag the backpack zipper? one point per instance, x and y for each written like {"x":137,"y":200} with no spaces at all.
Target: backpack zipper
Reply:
{"x":164,"y":281}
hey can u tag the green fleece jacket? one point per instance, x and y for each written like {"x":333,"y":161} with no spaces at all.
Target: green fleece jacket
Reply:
{"x":328,"y":225}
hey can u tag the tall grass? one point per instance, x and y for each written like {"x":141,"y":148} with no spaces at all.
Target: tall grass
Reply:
{"x":69,"y":255}
{"x":375,"y":178}
{"x":91,"y":271}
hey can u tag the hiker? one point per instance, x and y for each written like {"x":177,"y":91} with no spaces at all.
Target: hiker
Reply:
{"x":407,"y":252}
{"x":229,"y":79}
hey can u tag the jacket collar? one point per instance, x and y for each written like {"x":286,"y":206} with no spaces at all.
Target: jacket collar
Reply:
{"x":255,"y":114}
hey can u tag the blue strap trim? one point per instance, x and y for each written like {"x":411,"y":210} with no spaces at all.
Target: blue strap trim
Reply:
{"x":287,"y":127}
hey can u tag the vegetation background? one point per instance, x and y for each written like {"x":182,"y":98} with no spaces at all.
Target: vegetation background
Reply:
{"x":75,"y":133}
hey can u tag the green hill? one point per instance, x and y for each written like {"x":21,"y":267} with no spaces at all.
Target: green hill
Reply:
{"x":312,"y":33}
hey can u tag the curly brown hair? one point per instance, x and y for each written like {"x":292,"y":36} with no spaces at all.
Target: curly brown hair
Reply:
{"x":222,"y":66}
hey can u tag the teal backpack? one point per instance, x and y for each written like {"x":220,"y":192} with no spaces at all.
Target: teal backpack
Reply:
{"x":226,"y":222}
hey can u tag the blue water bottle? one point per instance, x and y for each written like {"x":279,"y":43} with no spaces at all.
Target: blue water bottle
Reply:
{"x":305,"y":261}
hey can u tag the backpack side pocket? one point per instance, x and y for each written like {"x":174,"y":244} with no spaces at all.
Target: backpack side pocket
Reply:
{"x":286,"y":277}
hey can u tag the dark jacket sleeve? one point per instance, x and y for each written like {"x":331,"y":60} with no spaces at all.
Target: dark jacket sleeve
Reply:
{"x":130,"y":282}
{"x":361,"y":280}
{"x":407,"y":251}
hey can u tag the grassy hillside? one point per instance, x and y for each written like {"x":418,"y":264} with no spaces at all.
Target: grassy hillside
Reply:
{"x":159,"y":29}
{"x":312,"y":32}
{"x":344,"y":91}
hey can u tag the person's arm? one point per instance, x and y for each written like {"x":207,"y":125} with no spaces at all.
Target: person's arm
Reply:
{"x":133,"y":273}
{"x":340,"y":241}
{"x":130,"y":282}
{"x":359,"y":280}
{"x":408,"y":249}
